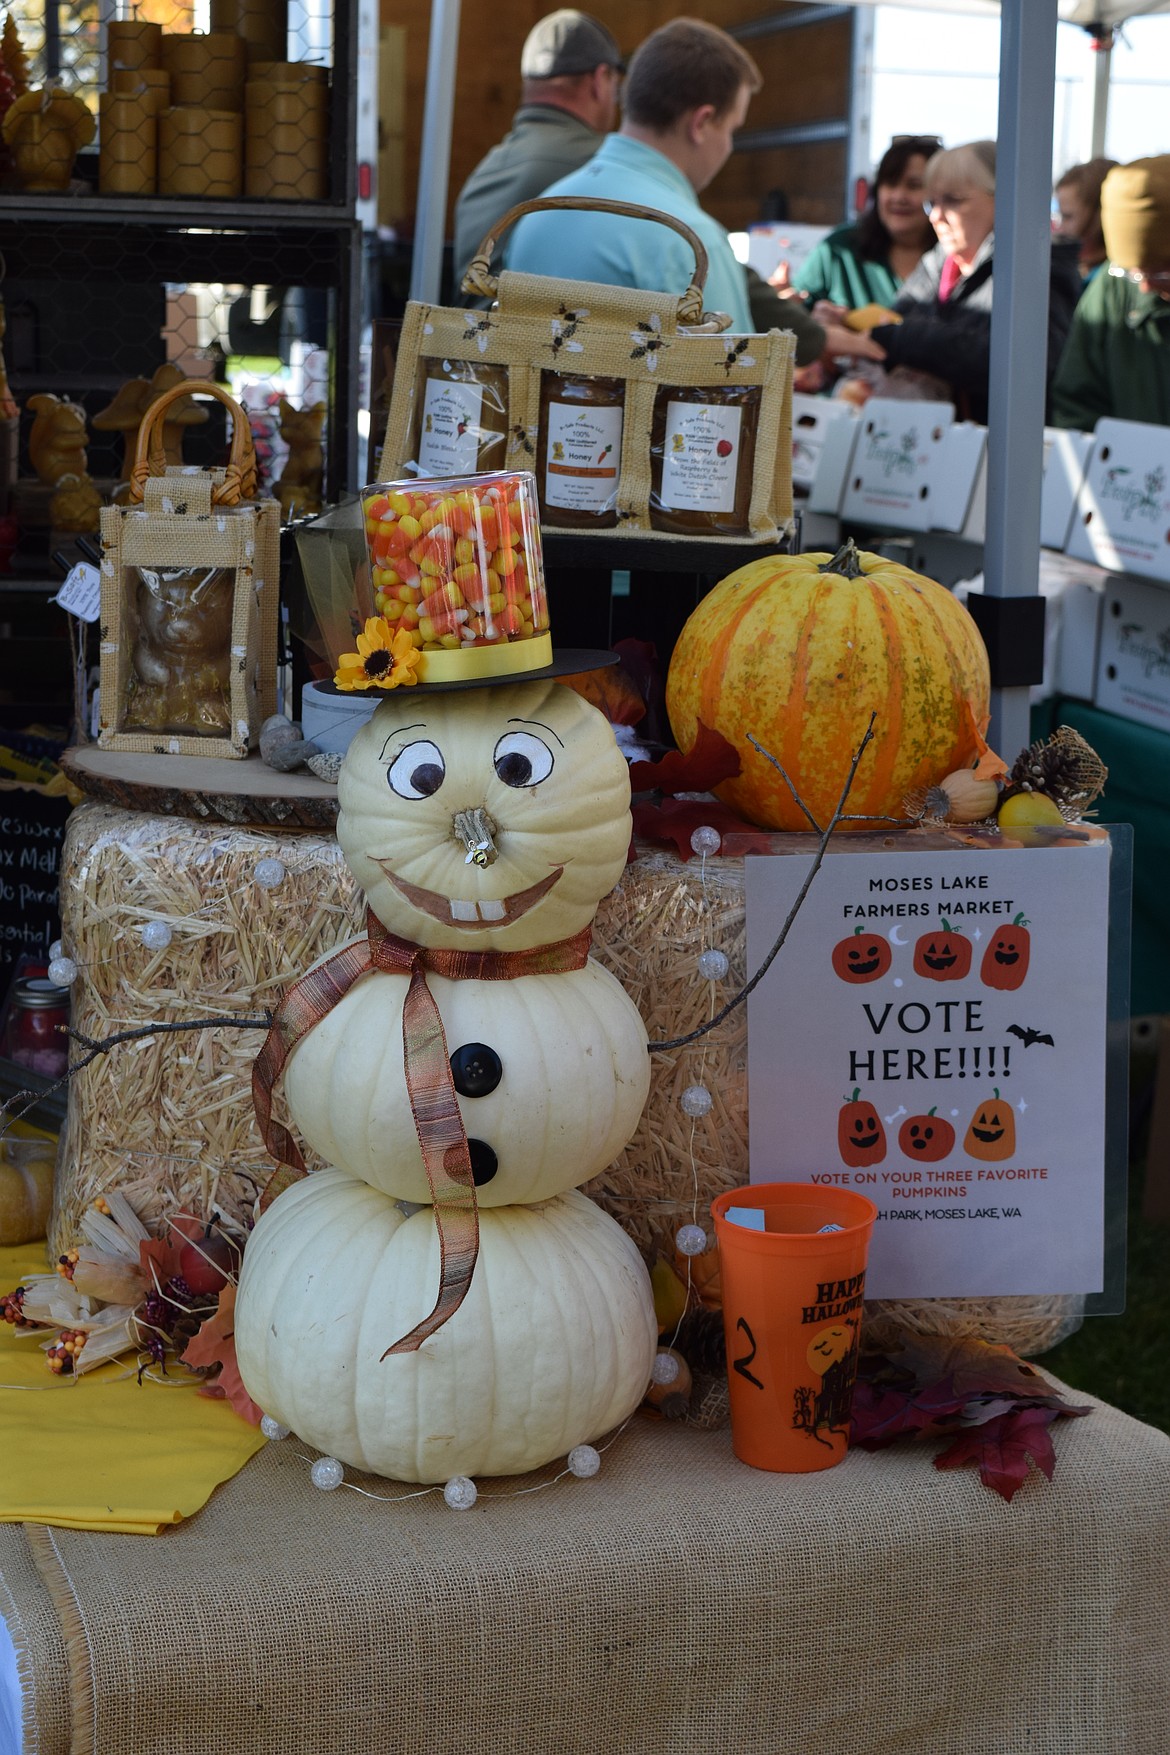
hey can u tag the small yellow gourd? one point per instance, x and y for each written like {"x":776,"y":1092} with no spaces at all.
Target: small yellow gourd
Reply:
{"x":26,"y":1194}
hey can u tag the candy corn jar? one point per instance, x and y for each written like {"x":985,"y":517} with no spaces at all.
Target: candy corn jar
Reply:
{"x":456,"y":563}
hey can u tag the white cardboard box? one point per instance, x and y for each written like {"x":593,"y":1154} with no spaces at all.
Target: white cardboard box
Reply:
{"x":1133,"y":664}
{"x":1065,"y":457}
{"x":811,"y":418}
{"x":893,"y":478}
{"x":1122,"y":519}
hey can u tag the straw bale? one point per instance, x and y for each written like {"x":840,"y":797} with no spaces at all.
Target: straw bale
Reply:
{"x":168,"y":1120}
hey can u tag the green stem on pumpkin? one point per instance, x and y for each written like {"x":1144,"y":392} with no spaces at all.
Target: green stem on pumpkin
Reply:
{"x":846,"y":562}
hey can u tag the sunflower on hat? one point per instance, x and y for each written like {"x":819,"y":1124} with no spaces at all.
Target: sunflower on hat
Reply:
{"x":386,"y":658}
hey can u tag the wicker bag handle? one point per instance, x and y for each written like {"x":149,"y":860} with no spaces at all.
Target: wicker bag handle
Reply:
{"x":239,"y":482}
{"x":481,"y":281}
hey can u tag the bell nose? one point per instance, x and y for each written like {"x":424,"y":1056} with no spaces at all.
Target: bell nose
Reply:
{"x":476,"y":830}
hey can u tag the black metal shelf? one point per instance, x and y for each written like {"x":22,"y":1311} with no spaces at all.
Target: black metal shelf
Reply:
{"x":175,"y":212}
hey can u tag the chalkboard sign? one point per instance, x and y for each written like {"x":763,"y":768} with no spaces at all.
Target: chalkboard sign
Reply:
{"x":31,"y":831}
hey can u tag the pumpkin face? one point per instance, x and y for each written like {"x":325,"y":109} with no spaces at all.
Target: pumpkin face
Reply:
{"x":540,"y":765}
{"x":861,"y":1138}
{"x":551,"y":1074}
{"x":992,"y":1133}
{"x":552,"y":1346}
{"x":1005,"y":961}
{"x":864,"y":957}
{"x":943,"y":956}
{"x":798,"y":651}
{"x":926,"y":1138}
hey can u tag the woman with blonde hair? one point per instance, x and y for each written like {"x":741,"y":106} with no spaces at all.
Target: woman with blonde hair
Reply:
{"x":945,"y":305}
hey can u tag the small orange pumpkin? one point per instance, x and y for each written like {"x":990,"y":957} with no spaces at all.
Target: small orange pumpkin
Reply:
{"x":797,"y":651}
{"x":926,"y":1138}
{"x":861,"y":1138}
{"x":943,"y":956}
{"x":992,"y":1133}
{"x":1005,"y":961}
{"x":26,"y":1191}
{"x":866,"y":956}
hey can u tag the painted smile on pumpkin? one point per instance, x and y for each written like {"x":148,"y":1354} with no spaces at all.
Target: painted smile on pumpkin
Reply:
{"x":1007,"y":956}
{"x":865,"y":968}
{"x":453,"y":911}
{"x":939,"y":959}
{"x":865,"y":1139}
{"x":987,"y":1135}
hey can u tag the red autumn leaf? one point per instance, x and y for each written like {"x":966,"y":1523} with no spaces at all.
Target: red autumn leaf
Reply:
{"x":1003,"y":1446}
{"x":215,"y":1344}
{"x":674,"y":821}
{"x":711,"y":760}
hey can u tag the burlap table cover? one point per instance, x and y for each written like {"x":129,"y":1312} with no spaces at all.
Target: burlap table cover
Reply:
{"x":679,"y":1602}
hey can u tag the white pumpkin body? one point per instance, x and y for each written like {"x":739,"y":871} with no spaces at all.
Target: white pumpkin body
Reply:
{"x":553,"y":1343}
{"x":552,"y":1346}
{"x":575,"y":1075}
{"x":569,"y":829}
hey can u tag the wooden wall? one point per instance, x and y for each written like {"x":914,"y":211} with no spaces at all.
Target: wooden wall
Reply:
{"x":806,"y":79}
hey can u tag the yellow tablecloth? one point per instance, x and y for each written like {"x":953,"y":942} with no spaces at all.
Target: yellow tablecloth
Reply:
{"x":103,"y":1452}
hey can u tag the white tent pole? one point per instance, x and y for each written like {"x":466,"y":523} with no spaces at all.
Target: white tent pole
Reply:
{"x":434,"y":168}
{"x":1019,"y":329}
{"x":1103,"y":51}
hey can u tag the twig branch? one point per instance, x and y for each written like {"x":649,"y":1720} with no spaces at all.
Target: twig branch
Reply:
{"x":838,"y":816}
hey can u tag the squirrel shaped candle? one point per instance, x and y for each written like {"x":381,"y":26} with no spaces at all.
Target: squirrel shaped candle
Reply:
{"x":464,"y":1066}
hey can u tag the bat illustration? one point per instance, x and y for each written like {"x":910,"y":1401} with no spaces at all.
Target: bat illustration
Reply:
{"x":1028,"y":1036}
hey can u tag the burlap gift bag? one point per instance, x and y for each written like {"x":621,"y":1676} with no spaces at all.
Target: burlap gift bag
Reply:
{"x":190,"y":580}
{"x":709,"y":412}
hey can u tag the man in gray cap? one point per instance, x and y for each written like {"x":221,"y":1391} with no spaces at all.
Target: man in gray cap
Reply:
{"x":571,"y":68}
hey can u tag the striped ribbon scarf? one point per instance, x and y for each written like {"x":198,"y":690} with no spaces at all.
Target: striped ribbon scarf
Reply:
{"x":442,"y":1136}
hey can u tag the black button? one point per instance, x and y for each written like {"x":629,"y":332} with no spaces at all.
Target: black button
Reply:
{"x":476,"y":1069}
{"x":484,"y":1162}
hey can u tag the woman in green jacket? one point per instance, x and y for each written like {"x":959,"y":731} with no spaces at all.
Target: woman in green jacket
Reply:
{"x":866,"y":263}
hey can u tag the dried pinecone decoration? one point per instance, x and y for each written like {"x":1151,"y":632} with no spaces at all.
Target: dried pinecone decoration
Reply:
{"x":1064,"y":768}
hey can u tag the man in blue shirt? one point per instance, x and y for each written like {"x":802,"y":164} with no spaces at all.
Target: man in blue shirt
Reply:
{"x":686,"y":93}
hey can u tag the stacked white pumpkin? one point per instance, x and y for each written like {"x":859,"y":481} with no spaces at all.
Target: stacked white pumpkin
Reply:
{"x":554,"y":1342}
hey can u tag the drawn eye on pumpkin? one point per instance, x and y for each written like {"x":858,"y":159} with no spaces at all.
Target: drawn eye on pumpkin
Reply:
{"x":418,"y":770}
{"x":522,"y":759}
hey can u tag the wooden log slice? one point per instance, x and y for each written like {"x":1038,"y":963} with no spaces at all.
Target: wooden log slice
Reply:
{"x":208,"y":788}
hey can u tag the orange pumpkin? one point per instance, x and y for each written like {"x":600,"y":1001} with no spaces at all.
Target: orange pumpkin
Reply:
{"x":992,"y":1133}
{"x":1005,"y":961}
{"x":26,"y":1190}
{"x":861,"y":1138}
{"x":798,"y":651}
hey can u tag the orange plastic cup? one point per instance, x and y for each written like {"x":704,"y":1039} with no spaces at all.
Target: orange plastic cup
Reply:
{"x":792,"y":1296}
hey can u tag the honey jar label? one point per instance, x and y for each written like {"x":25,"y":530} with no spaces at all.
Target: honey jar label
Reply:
{"x":584,"y":448}
{"x":450,"y":431}
{"x":700,"y":460}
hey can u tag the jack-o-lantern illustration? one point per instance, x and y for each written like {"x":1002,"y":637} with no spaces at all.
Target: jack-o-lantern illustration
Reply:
{"x":992,"y":1133}
{"x":943,"y":955}
{"x":861,"y":1138}
{"x":926,"y":1138}
{"x":832,"y":1355}
{"x":864,"y":957}
{"x":1005,"y":961}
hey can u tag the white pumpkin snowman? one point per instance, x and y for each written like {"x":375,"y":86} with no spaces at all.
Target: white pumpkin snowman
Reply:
{"x":484,"y":826}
